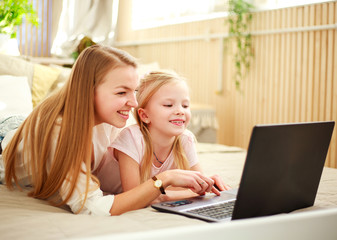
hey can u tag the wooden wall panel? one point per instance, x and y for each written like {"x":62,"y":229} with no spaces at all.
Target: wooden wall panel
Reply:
{"x":293,"y":77}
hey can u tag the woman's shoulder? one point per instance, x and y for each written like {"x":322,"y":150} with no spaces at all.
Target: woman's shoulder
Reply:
{"x":132,"y":131}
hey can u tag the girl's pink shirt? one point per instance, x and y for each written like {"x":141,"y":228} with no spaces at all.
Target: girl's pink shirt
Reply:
{"x":131,"y":142}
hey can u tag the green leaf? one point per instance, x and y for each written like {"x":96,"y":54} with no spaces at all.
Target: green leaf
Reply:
{"x":12,"y":13}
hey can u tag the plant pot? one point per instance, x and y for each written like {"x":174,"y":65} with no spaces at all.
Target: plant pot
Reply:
{"x":8,"y":45}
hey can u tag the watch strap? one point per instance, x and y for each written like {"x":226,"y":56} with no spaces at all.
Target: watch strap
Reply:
{"x":161,"y":188}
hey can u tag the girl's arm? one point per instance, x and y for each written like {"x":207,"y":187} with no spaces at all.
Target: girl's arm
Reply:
{"x":142,"y":195}
{"x":129,"y":170}
{"x":130,"y":177}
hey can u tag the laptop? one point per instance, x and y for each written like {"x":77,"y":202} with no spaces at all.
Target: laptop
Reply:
{"x":282,"y":171}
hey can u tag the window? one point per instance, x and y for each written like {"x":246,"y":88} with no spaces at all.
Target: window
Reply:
{"x":153,"y":13}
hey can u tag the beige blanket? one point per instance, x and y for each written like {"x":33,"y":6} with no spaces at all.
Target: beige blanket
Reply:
{"x":22,"y":217}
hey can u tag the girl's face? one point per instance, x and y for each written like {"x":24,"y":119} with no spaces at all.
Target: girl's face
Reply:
{"x":114,"y":96}
{"x":168,"y":111}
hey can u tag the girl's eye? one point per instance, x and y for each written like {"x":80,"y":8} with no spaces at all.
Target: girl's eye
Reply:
{"x":168,"y":105}
{"x":186,"y":106}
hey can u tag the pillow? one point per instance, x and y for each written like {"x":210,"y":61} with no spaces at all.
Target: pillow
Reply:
{"x":44,"y":77}
{"x":15,"y":96}
{"x":16,"y":66}
{"x":62,"y":78}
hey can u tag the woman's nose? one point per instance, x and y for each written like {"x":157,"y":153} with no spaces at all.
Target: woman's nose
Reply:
{"x":133,"y":101}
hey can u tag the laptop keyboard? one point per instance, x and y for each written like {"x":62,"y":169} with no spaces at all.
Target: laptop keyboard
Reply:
{"x":217,"y":211}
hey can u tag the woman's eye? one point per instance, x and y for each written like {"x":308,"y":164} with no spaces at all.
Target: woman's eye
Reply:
{"x":121,"y":93}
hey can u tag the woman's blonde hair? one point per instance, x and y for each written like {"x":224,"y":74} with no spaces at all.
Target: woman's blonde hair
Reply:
{"x":149,"y":85}
{"x":74,"y":102}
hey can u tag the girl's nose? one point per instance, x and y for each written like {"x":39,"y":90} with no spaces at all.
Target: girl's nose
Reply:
{"x":180,"y":110}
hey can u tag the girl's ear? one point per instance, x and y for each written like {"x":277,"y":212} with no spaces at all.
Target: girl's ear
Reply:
{"x":143,"y":116}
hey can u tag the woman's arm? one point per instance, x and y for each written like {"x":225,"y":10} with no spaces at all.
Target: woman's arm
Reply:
{"x":145,"y":193}
{"x":129,"y":170}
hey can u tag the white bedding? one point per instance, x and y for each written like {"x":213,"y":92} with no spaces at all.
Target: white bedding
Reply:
{"x":22,"y":217}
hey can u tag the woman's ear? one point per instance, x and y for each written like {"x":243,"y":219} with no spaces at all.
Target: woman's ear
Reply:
{"x":143,"y":116}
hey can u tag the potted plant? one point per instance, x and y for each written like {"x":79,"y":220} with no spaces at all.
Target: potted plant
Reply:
{"x":11,"y":15}
{"x":239,"y":18}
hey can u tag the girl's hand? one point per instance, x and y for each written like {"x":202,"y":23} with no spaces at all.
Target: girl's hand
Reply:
{"x":219,"y":184}
{"x":193,"y":180}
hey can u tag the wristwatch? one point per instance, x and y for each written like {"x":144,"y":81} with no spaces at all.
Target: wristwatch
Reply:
{"x":158,"y":184}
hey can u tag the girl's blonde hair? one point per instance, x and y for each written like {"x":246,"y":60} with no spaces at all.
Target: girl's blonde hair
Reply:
{"x":149,"y":85}
{"x":74,"y":102}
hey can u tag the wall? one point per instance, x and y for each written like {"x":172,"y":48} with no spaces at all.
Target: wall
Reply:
{"x":292,"y":78}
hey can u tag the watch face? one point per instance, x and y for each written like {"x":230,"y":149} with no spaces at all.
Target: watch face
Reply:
{"x":158,"y":183}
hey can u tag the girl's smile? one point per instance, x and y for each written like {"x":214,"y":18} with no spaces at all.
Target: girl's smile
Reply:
{"x":178,"y":122}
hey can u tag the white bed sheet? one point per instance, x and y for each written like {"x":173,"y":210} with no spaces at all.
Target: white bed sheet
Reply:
{"x":22,"y":217}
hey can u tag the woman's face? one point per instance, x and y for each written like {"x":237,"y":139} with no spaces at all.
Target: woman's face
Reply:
{"x":115,"y":96}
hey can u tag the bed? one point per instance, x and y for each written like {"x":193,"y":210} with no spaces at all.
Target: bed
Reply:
{"x":22,"y":217}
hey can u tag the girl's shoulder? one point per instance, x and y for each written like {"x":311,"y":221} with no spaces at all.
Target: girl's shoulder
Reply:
{"x":188,"y":136}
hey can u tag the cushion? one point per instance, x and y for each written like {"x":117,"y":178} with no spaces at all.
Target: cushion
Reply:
{"x":62,"y":78}
{"x":15,"y":96}
{"x":15,"y":66}
{"x":40,"y":77}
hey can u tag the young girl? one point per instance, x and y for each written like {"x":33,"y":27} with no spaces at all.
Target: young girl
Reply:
{"x":160,"y":141}
{"x":60,"y":150}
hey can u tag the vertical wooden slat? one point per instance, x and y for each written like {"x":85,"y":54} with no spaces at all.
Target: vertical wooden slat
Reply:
{"x":268,"y":81}
{"x":48,"y":28}
{"x":262,"y":83}
{"x":276,"y":62}
{"x":317,"y":66}
{"x":333,"y":161}
{"x":282,"y":68}
{"x":305,"y":50}
{"x":36,"y":52}
{"x":310,"y":69}
{"x":298,"y":72}
{"x":287,"y":70}
{"x":292,"y":67}
{"x":323,"y":64}
{"x":42,"y":29}
{"x":329,"y":74}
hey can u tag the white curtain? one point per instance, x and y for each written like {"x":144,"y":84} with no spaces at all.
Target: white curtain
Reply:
{"x":95,"y":19}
